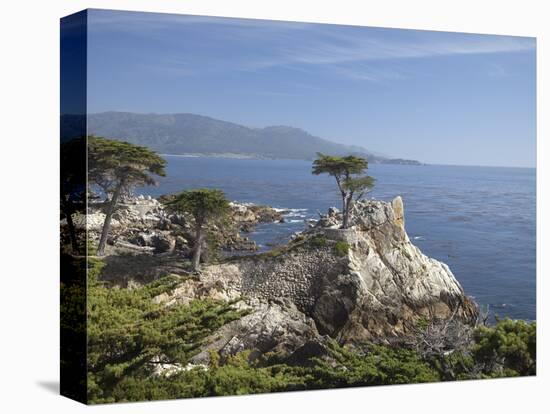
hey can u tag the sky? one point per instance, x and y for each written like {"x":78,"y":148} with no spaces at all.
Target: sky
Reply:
{"x":436,"y":97}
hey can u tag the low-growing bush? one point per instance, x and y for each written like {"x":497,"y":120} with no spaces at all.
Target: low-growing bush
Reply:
{"x":507,"y":349}
{"x":341,"y":248}
{"x":127,"y":330}
{"x":237,"y":375}
{"x":128,"y":333}
{"x":318,"y":241}
{"x":91,"y":248}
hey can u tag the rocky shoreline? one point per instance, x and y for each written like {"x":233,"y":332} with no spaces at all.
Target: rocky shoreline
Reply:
{"x":141,"y":225}
{"x":367,"y":283}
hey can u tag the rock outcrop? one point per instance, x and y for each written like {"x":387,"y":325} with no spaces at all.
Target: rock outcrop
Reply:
{"x":365,"y":283}
{"x":276,"y":327}
{"x":141,"y":225}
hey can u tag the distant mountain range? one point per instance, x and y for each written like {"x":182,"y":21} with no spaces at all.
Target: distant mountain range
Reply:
{"x":197,"y":134}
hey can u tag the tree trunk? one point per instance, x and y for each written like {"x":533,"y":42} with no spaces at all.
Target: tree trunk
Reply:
{"x":108,"y":216}
{"x":344,"y":208}
{"x":345,"y":217}
{"x":345,"y":214}
{"x":195,"y":263}
{"x":67,"y":210}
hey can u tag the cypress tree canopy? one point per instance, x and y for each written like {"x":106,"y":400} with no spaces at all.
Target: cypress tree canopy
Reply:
{"x":122,"y":161}
{"x":335,"y":166}
{"x":349,"y":173}
{"x":203,"y":203}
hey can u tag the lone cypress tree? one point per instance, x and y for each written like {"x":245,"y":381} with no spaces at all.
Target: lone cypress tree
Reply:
{"x":118,"y":166}
{"x":205,"y":206}
{"x":349,"y":173}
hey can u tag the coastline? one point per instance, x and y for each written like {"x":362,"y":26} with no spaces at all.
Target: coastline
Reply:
{"x":219,"y":155}
{"x":239,"y":156}
{"x":377,"y":162}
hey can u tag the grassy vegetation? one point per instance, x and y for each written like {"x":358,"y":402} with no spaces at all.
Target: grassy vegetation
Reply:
{"x":318,"y":241}
{"x":341,"y":248}
{"x":300,"y":243}
{"x":278,"y":251}
{"x":91,"y":248}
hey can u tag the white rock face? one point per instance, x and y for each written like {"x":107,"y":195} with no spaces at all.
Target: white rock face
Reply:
{"x":92,"y":222}
{"x":389,"y":264}
{"x":167,"y":369}
{"x":270,"y":327}
{"x":398,"y":283}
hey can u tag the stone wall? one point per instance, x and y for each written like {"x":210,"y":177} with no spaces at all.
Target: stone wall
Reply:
{"x":346,"y":235}
{"x":296,"y":276}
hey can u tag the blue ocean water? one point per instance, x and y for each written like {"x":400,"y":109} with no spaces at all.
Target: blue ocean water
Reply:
{"x":478,"y":220}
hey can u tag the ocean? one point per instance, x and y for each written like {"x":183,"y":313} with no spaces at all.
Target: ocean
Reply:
{"x":481,"y":221}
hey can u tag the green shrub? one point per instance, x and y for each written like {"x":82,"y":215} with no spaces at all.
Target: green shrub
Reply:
{"x":91,"y":248}
{"x":126,"y":330}
{"x":381,"y":365}
{"x":275,"y":252}
{"x":507,"y":349}
{"x":341,"y":248}
{"x":422,"y":323}
{"x":318,"y":241}
{"x":237,"y":375}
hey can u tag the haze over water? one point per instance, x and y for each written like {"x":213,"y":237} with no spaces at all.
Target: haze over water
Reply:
{"x":478,"y":220}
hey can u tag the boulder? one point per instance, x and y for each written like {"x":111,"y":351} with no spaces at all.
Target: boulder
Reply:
{"x":142,"y":221}
{"x":246,"y":215}
{"x":93,"y":222}
{"x":161,"y":242}
{"x":275,"y":327}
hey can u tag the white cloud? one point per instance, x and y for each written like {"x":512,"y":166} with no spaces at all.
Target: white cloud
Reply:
{"x":349,"y":52}
{"x":364,"y":49}
{"x":354,"y":56}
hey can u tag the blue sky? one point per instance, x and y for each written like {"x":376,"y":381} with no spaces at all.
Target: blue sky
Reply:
{"x":444,"y":98}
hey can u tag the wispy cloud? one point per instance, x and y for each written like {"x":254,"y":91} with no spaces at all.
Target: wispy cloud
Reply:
{"x":275,"y":93}
{"x":345,"y":51}
{"x":339,"y":49}
{"x":142,"y":22}
{"x":365,"y":72}
{"x":359,"y":58}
